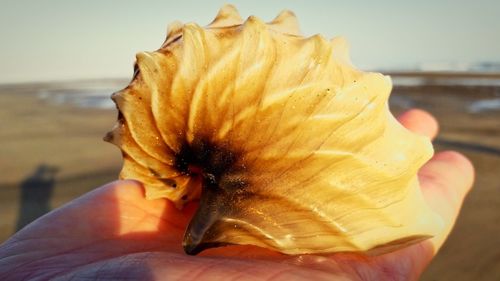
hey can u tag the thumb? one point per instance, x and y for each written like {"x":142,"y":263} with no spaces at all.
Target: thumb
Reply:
{"x":445,"y":180}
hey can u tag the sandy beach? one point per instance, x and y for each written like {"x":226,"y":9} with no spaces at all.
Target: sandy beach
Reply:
{"x":51,"y":150}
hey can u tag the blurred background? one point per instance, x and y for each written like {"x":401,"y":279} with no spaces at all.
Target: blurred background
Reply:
{"x":60,"y":60}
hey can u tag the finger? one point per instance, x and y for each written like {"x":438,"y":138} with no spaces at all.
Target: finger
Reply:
{"x":446,"y":179}
{"x":112,"y":212}
{"x":133,"y":206}
{"x":110,"y":221}
{"x":420,"y":122}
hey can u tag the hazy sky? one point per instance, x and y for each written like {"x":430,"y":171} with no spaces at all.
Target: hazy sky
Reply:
{"x":64,"y":39}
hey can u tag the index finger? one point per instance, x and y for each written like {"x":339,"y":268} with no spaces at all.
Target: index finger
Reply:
{"x":420,"y":122}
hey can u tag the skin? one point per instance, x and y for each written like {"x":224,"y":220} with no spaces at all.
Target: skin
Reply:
{"x":114,"y":233}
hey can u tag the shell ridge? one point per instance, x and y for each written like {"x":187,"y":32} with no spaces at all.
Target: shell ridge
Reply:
{"x":372,"y":99}
{"x":253,"y":111}
{"x":307,"y":115}
{"x":151,"y":64}
{"x":245,"y":226}
{"x":131,"y":168}
{"x":269,"y":132}
{"x":187,"y":76}
{"x":299,"y":85}
{"x":262,"y":99}
{"x":228,"y":94}
{"x":368,"y":202}
{"x":138,"y":154}
{"x":388,"y":221}
{"x":252,"y":27}
{"x":245,"y":111}
{"x":122,"y":100}
{"x":324,"y":220}
{"x":197,"y":96}
{"x":167,"y":131}
{"x":295,"y":164}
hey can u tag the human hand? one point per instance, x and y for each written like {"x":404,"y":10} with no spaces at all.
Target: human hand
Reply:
{"x":114,"y":233}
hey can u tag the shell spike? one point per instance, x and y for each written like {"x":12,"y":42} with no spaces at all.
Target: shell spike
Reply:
{"x":228,"y":15}
{"x":318,"y":38}
{"x":320,"y":43}
{"x":286,"y":22}
{"x":341,"y":49}
{"x":253,"y":30}
{"x":254,"y":22}
{"x":143,"y":56}
{"x":174,"y":28}
{"x":113,"y":135}
{"x":146,"y":62}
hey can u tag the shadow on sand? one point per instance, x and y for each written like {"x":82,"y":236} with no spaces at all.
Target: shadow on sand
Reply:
{"x":36,"y":192}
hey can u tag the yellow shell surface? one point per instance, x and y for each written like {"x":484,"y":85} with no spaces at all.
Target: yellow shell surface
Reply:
{"x":286,"y":145}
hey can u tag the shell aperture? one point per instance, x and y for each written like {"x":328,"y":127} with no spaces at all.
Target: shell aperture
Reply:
{"x":284,"y":143}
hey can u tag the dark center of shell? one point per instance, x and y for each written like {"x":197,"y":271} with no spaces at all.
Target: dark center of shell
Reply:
{"x":222,"y":180}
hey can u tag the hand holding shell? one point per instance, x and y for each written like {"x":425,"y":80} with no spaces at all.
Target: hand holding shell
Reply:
{"x":285,"y":144}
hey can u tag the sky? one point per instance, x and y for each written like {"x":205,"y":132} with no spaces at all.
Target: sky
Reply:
{"x":51,"y":40}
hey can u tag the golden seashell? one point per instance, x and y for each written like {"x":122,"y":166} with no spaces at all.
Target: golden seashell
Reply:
{"x":285,"y":144}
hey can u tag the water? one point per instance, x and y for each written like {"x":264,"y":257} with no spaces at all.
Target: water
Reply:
{"x":443,"y":81}
{"x":83,"y":98}
{"x":485,"y":105}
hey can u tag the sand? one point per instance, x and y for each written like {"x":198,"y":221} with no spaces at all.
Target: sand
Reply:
{"x":56,"y":152}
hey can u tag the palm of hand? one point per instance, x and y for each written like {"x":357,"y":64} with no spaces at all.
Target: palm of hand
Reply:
{"x":114,"y":233}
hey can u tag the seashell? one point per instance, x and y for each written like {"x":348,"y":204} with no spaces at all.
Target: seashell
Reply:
{"x":283,"y":142}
